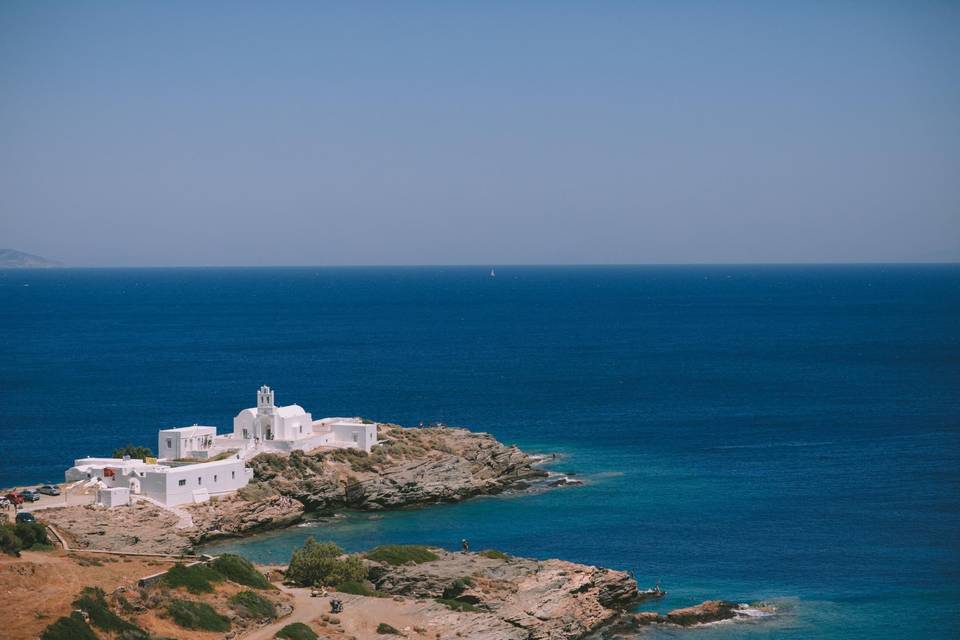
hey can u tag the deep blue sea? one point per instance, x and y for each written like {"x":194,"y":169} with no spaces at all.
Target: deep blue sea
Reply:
{"x":786,"y":433}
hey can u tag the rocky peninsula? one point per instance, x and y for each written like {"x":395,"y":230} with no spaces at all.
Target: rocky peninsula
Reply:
{"x":487,"y":595}
{"x":410,"y":466}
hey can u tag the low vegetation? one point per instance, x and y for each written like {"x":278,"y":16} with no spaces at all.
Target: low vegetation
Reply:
{"x":357,"y":588}
{"x":196,"y":578}
{"x":457,"y":587}
{"x":250,"y":604}
{"x":296,"y":631}
{"x":494,"y":554}
{"x":93,"y":602}
{"x":387,"y":629}
{"x":240,"y":570}
{"x":256,"y":491}
{"x":190,"y":614}
{"x":200,"y":578}
{"x":91,"y":608}
{"x":71,"y":627}
{"x":457,"y":605}
{"x":135,"y":452}
{"x":324,"y":563}
{"x":24,"y":535}
{"x":397,"y":554}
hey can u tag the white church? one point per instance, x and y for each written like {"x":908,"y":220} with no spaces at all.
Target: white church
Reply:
{"x":194,"y":463}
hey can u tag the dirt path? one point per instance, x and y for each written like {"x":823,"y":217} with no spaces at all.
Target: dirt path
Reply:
{"x":360,"y":617}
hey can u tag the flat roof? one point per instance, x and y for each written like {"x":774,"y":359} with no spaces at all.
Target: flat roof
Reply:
{"x":195,"y":427}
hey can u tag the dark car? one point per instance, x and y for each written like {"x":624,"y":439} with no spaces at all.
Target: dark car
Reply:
{"x":25,"y":516}
{"x":30,"y":495}
{"x":49,"y":490}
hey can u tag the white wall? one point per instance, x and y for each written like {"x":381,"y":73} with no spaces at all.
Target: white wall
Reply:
{"x":182,"y":443}
{"x":244,"y":420}
{"x":295,"y":427}
{"x":175,"y":485}
{"x":362,"y":436}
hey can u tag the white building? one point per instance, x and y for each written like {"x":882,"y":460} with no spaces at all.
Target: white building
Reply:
{"x":115,"y":497}
{"x":186,"y":442}
{"x":270,"y":422}
{"x":168,"y":484}
{"x":346,"y":433}
{"x":198,"y":475}
{"x":196,"y":482}
{"x":269,"y":427}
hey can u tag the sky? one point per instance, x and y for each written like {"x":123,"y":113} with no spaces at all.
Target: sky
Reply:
{"x":361,"y":133}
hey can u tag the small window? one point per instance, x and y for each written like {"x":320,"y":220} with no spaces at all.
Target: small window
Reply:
{"x":199,"y":481}
{"x":182,"y":483}
{"x":169,"y":443}
{"x":214,"y":477}
{"x":301,"y":428}
{"x":233,"y":475}
{"x":356,"y":437}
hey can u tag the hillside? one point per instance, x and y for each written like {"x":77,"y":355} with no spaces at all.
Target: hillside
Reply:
{"x":13,"y":259}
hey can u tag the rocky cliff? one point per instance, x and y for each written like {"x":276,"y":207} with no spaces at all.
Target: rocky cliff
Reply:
{"x":514,"y":598}
{"x":410,"y":466}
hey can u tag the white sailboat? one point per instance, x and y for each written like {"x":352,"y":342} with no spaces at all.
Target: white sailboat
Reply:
{"x":493,"y":274}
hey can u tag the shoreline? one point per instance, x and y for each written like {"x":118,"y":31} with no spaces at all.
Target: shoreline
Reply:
{"x":415,"y":468}
{"x":511,"y":597}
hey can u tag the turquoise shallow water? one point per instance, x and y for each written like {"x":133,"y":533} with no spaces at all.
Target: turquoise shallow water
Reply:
{"x":782,"y":433}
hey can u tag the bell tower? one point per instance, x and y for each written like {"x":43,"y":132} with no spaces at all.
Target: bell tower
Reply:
{"x":265,"y":404}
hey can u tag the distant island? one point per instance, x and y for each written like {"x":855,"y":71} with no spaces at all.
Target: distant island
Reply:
{"x":13,"y":259}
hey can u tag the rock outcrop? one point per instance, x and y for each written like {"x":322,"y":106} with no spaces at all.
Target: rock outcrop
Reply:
{"x":706,"y":612}
{"x":515,"y":598}
{"x":236,"y":516}
{"x":410,"y":466}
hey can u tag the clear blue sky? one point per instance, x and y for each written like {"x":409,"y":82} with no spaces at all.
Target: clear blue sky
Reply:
{"x":276,"y":133}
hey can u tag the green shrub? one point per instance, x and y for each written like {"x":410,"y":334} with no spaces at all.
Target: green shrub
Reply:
{"x":457,"y":605}
{"x":494,"y":554}
{"x":253,"y":605}
{"x":190,"y":614}
{"x":196,"y":578}
{"x":23,"y":535}
{"x":397,"y":554}
{"x":296,"y":631}
{"x":319,"y":563}
{"x":240,"y":570}
{"x":40,"y":537}
{"x":357,"y":588}
{"x":385,"y":629}
{"x":69,"y":628}
{"x":10,"y":543}
{"x":93,"y":602}
{"x":457,"y":587}
{"x":133,"y":451}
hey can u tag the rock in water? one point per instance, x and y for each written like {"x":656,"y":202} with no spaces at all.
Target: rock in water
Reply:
{"x":709,"y":611}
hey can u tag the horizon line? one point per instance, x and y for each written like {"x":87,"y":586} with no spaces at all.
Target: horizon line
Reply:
{"x":480,"y":265}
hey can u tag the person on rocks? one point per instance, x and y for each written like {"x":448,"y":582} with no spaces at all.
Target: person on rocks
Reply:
{"x":465,"y":545}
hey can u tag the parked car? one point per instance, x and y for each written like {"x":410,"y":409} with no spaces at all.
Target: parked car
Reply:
{"x":26,"y":516}
{"x":49,"y":490}
{"x":29,"y":495}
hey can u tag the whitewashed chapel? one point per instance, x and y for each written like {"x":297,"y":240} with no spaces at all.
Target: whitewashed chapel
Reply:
{"x":194,"y":463}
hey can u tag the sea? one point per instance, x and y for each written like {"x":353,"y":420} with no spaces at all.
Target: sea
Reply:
{"x":784,"y":434}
